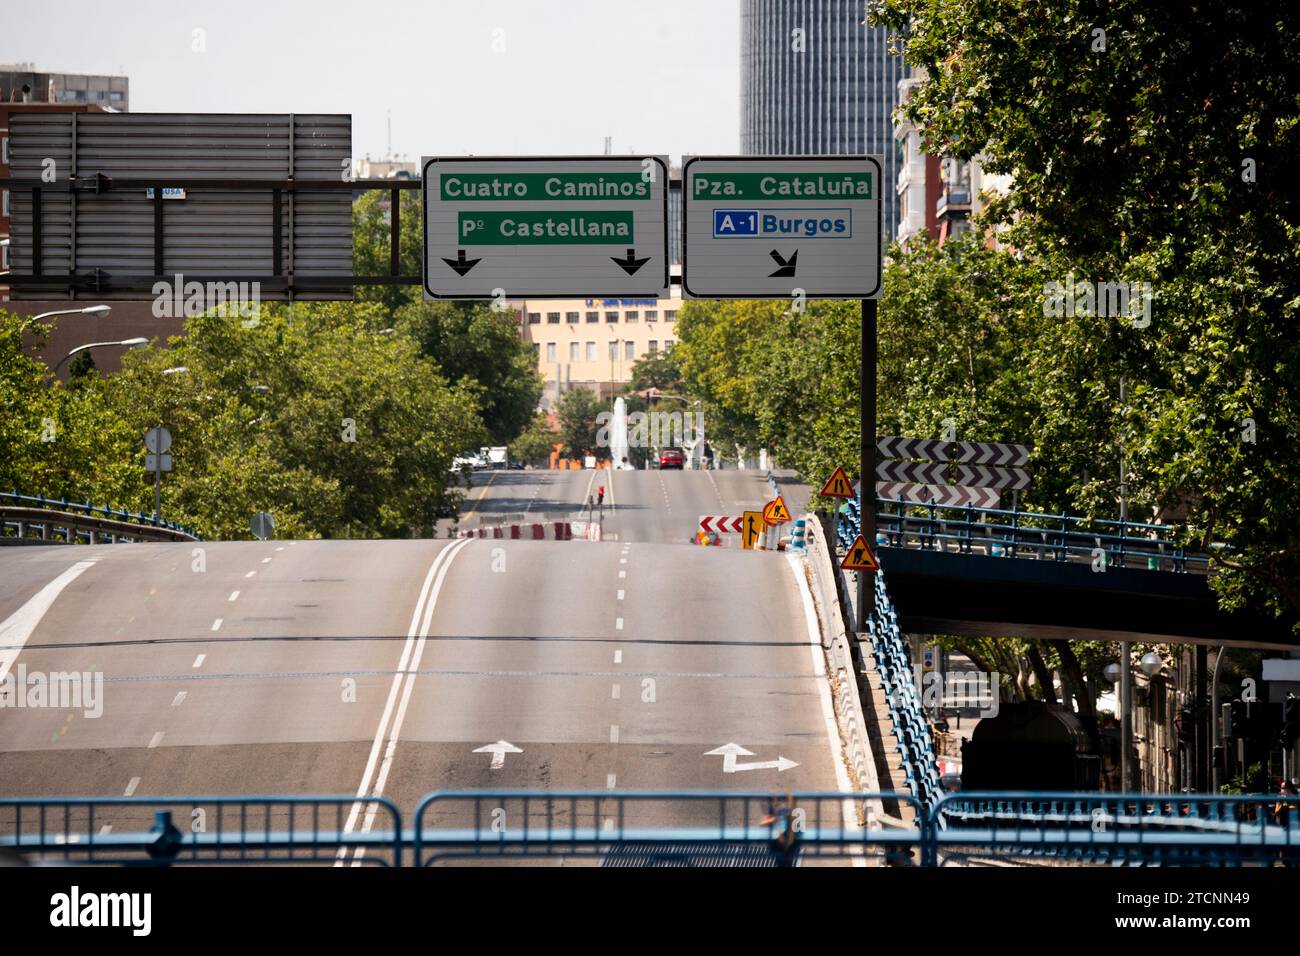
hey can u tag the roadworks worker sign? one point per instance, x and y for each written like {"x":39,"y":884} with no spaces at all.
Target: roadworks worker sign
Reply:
{"x":860,"y":557}
{"x":838,"y":485}
{"x":775,"y":512}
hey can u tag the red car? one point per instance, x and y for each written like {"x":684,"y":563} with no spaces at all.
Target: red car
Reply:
{"x":672,"y":458}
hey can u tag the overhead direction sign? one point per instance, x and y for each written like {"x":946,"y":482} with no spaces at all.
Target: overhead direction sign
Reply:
{"x":860,"y":557}
{"x":754,"y":529}
{"x":775,"y":512}
{"x":838,"y":485}
{"x":769,"y":227}
{"x":558,"y":227}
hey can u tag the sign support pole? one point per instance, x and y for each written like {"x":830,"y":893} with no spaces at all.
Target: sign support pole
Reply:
{"x":157,"y":475}
{"x":867,"y":464}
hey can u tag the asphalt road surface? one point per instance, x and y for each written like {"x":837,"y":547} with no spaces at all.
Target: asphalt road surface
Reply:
{"x":385,"y":667}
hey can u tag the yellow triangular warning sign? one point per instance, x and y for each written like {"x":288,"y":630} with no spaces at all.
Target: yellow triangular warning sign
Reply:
{"x":860,"y":557}
{"x":775,"y":511}
{"x":838,"y":485}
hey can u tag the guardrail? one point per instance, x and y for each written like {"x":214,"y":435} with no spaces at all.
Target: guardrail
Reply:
{"x":996,"y":532}
{"x":1195,"y":829}
{"x":36,"y":518}
{"x":649,"y":828}
{"x":898,"y":684}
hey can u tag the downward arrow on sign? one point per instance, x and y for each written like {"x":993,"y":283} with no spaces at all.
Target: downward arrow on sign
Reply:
{"x":729,"y":753}
{"x":631,"y":264}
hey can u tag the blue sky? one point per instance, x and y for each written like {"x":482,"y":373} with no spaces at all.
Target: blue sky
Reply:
{"x":516,"y":77}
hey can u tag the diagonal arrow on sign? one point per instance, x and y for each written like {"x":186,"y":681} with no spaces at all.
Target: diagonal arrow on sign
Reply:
{"x":920,"y":472}
{"x":729,"y":753}
{"x":984,"y":476}
{"x":498,"y":751}
{"x":787,"y":266}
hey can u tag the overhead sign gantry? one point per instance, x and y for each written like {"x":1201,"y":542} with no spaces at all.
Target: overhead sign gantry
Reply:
{"x":562,"y":227}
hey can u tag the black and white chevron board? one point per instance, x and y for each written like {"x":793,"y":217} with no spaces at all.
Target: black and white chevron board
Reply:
{"x":938,"y":494}
{"x":967,"y":464}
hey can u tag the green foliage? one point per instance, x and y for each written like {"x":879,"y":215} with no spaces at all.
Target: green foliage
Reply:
{"x":659,"y":370}
{"x":577,"y":411}
{"x":535,"y":444}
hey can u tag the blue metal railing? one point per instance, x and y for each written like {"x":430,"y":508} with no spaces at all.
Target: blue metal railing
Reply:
{"x":997,"y":532}
{"x":893,"y":659}
{"x":651,"y":828}
{"x":1198,"y":829}
{"x":92,"y":511}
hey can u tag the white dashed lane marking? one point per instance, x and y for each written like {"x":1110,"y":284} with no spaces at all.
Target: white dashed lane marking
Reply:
{"x":198,"y":661}
{"x":130,"y":787}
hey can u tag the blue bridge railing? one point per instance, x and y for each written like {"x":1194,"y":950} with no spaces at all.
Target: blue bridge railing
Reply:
{"x":650,"y":828}
{"x":997,"y":532}
{"x":90,"y":511}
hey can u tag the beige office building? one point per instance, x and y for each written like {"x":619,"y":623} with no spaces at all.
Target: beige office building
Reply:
{"x":593,"y":343}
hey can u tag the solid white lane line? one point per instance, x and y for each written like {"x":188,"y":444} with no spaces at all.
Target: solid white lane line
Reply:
{"x":216,"y":625}
{"x":18,"y":626}
{"x":156,"y":740}
{"x":410,"y":685}
{"x":179,"y":698}
{"x":234,"y":596}
{"x":130,"y":787}
{"x":198,"y":661}
{"x":393,"y":689}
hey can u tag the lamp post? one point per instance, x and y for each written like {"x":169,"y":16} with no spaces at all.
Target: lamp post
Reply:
{"x":127,"y":343}
{"x":97,"y":310}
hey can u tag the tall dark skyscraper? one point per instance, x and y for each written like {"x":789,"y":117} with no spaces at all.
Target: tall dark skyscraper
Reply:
{"x":814,"y":78}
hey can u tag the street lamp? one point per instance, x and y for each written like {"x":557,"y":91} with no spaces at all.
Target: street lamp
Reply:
{"x":98,"y":310}
{"x":127,"y":343}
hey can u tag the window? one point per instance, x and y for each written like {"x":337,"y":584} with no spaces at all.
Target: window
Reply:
{"x":4,"y":202}
{"x":571,"y":318}
{"x":669,"y":343}
{"x":534,"y":318}
{"x":537,"y":351}
{"x":611,"y":316}
{"x":652,"y":315}
{"x":593,"y":316}
{"x":629,"y":350}
{"x":4,"y":150}
{"x":613,"y":351}
{"x":670,"y":315}
{"x":653,"y":346}
{"x":550,"y":351}
{"x":553,"y":318}
{"x":591,"y":351}
{"x":573,"y":351}
{"x":630,"y":315}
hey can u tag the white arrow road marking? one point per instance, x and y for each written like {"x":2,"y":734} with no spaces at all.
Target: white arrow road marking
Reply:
{"x":18,"y":626}
{"x":498,"y":751}
{"x":729,"y":753}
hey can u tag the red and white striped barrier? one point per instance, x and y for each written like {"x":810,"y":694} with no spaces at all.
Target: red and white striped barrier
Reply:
{"x":537,"y":531}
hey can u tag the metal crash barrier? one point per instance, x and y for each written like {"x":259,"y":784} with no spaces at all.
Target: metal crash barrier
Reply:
{"x":652,"y":829}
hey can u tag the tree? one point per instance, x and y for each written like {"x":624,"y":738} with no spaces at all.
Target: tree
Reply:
{"x":658,"y":370}
{"x":536,"y":443}
{"x":1150,"y":144}
{"x":577,"y":411}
